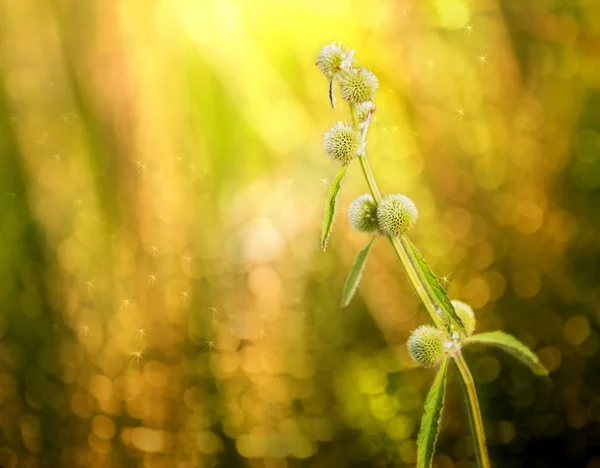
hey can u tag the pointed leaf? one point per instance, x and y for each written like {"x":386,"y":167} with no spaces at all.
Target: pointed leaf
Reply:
{"x":430,"y":425}
{"x":434,"y":289}
{"x":331,"y":94}
{"x":512,"y":346}
{"x":330,"y":207}
{"x":356,"y":274}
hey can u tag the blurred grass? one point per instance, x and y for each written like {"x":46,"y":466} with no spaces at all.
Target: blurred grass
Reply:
{"x":164,"y":301}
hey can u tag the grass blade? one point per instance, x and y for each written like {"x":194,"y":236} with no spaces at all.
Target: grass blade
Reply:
{"x":512,"y":346}
{"x":330,"y":207}
{"x":432,"y":285}
{"x":430,"y":425}
{"x":356,"y":274}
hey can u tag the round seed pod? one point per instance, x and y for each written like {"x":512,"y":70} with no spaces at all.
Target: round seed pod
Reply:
{"x":396,"y":214}
{"x":358,"y":85}
{"x":426,"y":346}
{"x":332,"y":58}
{"x":466,"y":316}
{"x":362,"y":214}
{"x":342,"y":143}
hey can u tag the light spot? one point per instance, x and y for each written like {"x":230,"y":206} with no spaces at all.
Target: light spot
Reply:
{"x":103,"y":427}
{"x":149,"y":440}
{"x":551,"y":358}
{"x":264,"y":282}
{"x":400,"y":427}
{"x":101,"y":387}
{"x":452,"y":14}
{"x":527,"y":283}
{"x":208,"y":442}
{"x":486,"y":369}
{"x":506,"y":431}
{"x":576,"y":330}
{"x":476,"y":292}
{"x":156,"y":374}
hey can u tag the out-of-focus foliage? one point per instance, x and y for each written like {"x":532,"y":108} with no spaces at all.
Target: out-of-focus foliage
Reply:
{"x":164,"y":301}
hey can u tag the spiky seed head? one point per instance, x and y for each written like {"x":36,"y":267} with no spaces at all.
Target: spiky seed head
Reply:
{"x":363,"y":214}
{"x":358,"y":84}
{"x":365,"y":110}
{"x":342,"y":143}
{"x":333,"y":58}
{"x":466,"y":316}
{"x":396,"y":214}
{"x":426,"y":346}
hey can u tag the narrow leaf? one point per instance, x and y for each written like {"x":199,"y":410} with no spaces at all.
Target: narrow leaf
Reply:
{"x":512,"y":346}
{"x":430,"y":424}
{"x":330,"y":207}
{"x":356,"y":274}
{"x":331,"y":94}
{"x":433,"y":287}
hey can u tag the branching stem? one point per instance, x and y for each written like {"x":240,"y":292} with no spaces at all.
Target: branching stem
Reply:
{"x":403,"y":252}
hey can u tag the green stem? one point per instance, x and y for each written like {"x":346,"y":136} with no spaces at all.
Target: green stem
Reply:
{"x":398,"y":244}
{"x":401,"y":248}
{"x":402,"y":252}
{"x":473,"y":410}
{"x":366,"y":168}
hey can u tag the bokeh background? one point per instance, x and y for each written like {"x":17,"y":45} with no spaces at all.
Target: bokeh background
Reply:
{"x":163,"y":298}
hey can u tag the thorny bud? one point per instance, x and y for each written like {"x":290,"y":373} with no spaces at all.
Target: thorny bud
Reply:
{"x":396,"y":214}
{"x":333,"y":58}
{"x":364,"y":110}
{"x":342,"y":143}
{"x":426,"y":346}
{"x":466,"y":316}
{"x":363,"y":214}
{"x":358,"y":85}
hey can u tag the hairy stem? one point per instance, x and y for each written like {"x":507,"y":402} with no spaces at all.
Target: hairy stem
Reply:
{"x":401,"y":248}
{"x":473,"y":410}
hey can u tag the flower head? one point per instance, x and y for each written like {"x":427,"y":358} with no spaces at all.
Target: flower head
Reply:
{"x":365,"y":110}
{"x":333,"y":58}
{"x":396,"y":214}
{"x":358,"y":84}
{"x":426,"y":346}
{"x":342,"y":143}
{"x":363,"y":214}
{"x":466,"y":316}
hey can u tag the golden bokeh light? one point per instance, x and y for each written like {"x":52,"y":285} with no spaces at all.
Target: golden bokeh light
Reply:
{"x":164,"y":301}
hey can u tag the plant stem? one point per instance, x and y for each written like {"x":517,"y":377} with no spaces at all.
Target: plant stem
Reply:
{"x":401,"y":249}
{"x":473,"y":410}
{"x":366,"y":168}
{"x":399,"y":246}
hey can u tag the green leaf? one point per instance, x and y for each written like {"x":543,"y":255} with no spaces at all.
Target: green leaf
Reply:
{"x":330,"y":207}
{"x":434,"y":289}
{"x":430,"y":424}
{"x":356,"y":274}
{"x":512,"y":346}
